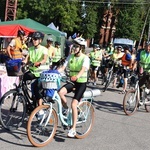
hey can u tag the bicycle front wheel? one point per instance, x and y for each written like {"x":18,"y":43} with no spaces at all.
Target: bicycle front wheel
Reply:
{"x":85,"y":119}
{"x":41,"y":131}
{"x":130,"y":102}
{"x":108,"y":81}
{"x":12,"y":110}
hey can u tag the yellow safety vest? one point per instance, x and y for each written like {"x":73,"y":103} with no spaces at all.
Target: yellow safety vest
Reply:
{"x":75,"y":66}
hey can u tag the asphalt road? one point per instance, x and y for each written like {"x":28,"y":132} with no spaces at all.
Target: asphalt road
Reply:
{"x":112,"y":130}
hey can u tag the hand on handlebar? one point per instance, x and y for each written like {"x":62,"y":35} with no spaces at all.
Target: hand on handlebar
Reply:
{"x":37,"y":64}
{"x":73,"y":78}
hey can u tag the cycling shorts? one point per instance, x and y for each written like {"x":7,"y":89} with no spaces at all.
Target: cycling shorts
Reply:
{"x":79,"y":89}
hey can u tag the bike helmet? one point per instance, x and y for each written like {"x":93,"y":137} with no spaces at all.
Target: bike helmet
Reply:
{"x":147,"y":43}
{"x":21,"y":32}
{"x":80,"y":41}
{"x":57,"y":43}
{"x":95,"y":46}
{"x":38,"y":35}
{"x":50,"y":39}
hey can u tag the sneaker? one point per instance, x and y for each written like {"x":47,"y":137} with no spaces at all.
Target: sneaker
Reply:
{"x":71,"y":133}
{"x":65,"y":111}
{"x":94,"y":83}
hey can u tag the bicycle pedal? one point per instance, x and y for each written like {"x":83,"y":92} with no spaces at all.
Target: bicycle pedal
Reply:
{"x":65,"y":127}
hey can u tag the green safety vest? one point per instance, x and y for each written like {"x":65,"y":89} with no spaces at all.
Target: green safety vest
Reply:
{"x":145,"y":61}
{"x":94,"y":55}
{"x":37,"y":57}
{"x":57,"y":56}
{"x":75,"y":65}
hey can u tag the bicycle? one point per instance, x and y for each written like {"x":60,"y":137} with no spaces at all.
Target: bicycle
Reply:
{"x":41,"y":127}
{"x":15,"y":103}
{"x":131,"y":100}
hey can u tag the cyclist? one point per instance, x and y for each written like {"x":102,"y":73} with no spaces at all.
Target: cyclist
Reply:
{"x":78,"y":64}
{"x":143,"y":58}
{"x":127,"y":65}
{"x":14,"y":48}
{"x":51,"y":49}
{"x":57,"y":56}
{"x":116,"y":58}
{"x":95,"y":57}
{"x":38,"y":55}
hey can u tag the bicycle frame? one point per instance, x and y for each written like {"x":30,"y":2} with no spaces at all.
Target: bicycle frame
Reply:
{"x":66,"y":120}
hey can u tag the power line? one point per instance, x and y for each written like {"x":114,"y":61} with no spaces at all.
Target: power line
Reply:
{"x":125,"y":3}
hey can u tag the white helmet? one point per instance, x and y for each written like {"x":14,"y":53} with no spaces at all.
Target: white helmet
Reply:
{"x":80,"y":41}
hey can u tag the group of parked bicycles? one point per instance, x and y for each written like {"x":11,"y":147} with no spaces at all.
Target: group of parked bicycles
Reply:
{"x":42,"y":123}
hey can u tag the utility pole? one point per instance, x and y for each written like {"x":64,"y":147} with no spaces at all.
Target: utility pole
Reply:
{"x":10,"y":10}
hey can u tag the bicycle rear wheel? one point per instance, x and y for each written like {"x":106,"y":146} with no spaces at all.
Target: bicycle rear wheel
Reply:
{"x":130,"y":102}
{"x":12,"y":110}
{"x":39,"y":133}
{"x":85,"y":119}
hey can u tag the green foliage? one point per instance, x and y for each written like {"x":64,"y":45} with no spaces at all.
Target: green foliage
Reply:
{"x":67,"y":14}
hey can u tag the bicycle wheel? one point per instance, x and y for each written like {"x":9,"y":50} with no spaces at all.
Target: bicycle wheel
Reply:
{"x":39,"y":132}
{"x":130,"y":102}
{"x":12,"y":110}
{"x":108,"y":81}
{"x":85,"y":119}
{"x":147,"y":101}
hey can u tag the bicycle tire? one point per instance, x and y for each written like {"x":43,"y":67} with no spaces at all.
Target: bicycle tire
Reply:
{"x":130,"y":105}
{"x":147,"y":102}
{"x":38,"y":134}
{"x":12,"y":110}
{"x":85,"y":119}
{"x":108,"y":82}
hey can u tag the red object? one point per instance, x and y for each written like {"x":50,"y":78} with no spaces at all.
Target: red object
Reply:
{"x":11,"y":30}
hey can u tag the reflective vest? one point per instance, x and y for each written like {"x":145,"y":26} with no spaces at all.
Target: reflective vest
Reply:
{"x":37,"y":57}
{"x":51,"y":50}
{"x":57,"y":56}
{"x":124,"y":61}
{"x":93,"y":56}
{"x":16,"y":53}
{"x":75,"y":65}
{"x":145,"y":61}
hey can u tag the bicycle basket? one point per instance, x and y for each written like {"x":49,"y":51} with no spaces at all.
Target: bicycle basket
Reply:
{"x":13,"y":67}
{"x":50,"y":79}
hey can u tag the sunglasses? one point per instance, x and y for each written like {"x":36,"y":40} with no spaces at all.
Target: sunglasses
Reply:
{"x":35,"y":39}
{"x":76,"y":46}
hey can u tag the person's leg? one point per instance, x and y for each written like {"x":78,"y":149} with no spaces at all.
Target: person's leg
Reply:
{"x":80,"y":89}
{"x":67,"y":88}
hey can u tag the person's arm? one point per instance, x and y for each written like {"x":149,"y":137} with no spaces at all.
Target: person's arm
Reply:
{"x":8,"y":51}
{"x":10,"y":46}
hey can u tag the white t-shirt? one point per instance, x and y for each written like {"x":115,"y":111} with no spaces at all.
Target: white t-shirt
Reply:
{"x":86,"y":62}
{"x":45,"y":50}
{"x":12,"y":43}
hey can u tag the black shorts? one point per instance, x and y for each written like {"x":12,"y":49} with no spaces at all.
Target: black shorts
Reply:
{"x":94,"y":68}
{"x":79,"y":89}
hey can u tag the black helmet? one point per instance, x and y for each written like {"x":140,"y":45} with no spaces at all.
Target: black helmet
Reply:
{"x":57,"y":43}
{"x":21,"y":32}
{"x":147,"y":43}
{"x":95,"y":46}
{"x":38,"y":35}
{"x":126,"y":47}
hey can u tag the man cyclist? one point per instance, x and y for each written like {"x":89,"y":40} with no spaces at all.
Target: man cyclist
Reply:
{"x":38,"y":55}
{"x":14,"y":48}
{"x":143,"y":60}
{"x":78,"y":64}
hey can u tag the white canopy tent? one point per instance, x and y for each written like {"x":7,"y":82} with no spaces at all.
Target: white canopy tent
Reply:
{"x":52,"y":26}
